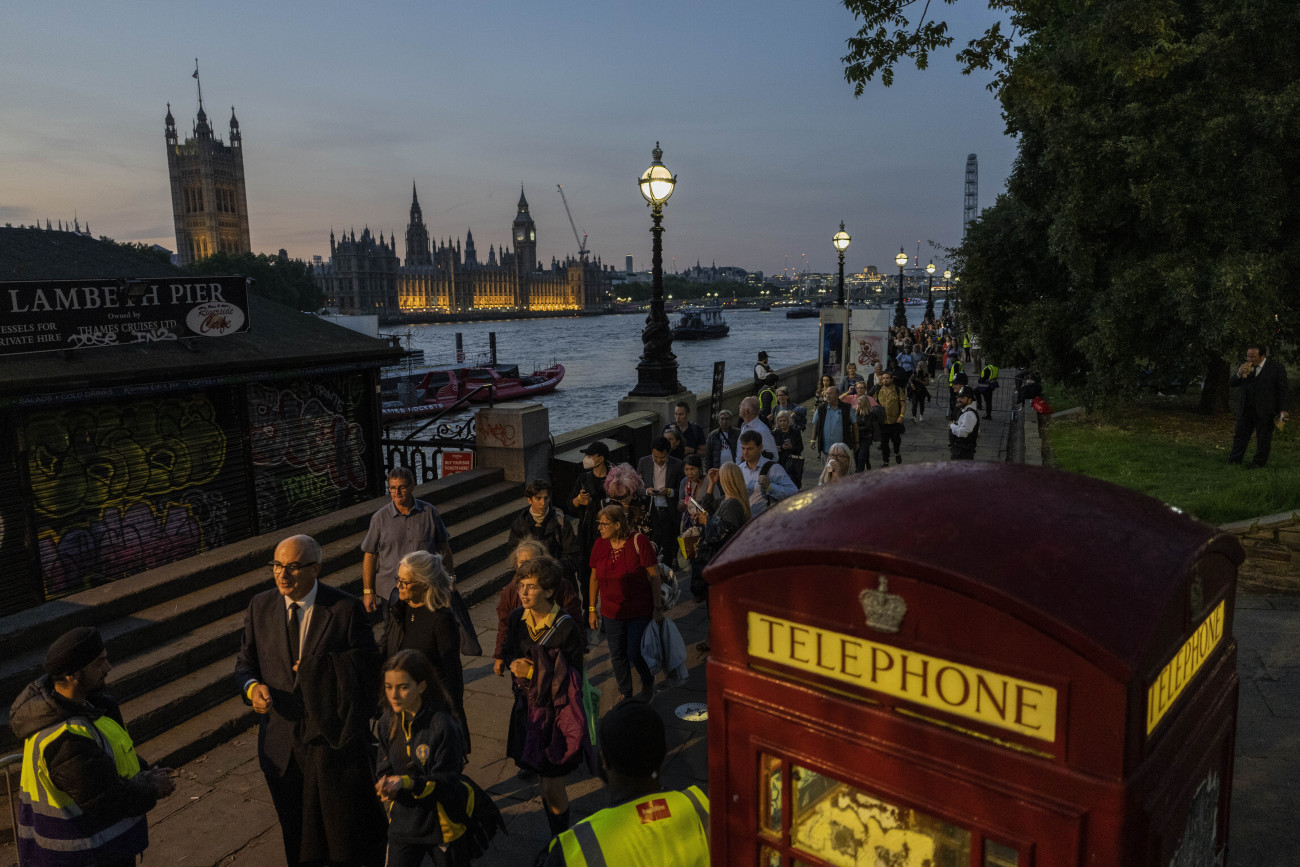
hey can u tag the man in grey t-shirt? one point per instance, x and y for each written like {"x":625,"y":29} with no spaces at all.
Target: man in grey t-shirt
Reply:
{"x":400,"y":527}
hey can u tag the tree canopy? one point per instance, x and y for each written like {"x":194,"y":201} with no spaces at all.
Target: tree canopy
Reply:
{"x":1149,"y":225}
{"x":278,"y":278}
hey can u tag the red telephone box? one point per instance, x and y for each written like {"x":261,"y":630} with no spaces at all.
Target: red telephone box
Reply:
{"x":972,"y":664}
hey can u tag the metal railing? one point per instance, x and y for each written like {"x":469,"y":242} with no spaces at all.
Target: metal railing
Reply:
{"x":6,"y":762}
{"x":421,"y":455}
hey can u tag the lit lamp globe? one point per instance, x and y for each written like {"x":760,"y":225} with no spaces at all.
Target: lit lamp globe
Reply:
{"x":929,"y":269}
{"x":901,"y":259}
{"x":657,"y":182}
{"x":841,"y":239}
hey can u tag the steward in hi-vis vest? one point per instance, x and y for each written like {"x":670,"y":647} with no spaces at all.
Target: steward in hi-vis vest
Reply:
{"x":84,"y":794}
{"x":646,"y":827}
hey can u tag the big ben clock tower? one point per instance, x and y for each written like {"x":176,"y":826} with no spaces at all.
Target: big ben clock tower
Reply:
{"x":525,"y":237}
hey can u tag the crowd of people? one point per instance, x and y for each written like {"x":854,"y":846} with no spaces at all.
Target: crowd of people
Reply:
{"x":363,"y":743}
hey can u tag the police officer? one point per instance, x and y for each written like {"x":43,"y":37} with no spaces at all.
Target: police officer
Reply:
{"x":84,"y":790}
{"x":645,"y":826}
{"x":963,"y":434}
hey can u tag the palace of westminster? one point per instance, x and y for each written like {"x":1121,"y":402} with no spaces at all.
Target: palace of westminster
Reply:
{"x":365,"y":275}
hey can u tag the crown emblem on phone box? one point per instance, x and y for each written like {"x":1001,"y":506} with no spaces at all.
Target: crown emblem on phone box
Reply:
{"x":884,"y":610}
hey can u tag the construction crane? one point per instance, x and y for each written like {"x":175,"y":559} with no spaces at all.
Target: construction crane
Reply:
{"x":582,"y":242}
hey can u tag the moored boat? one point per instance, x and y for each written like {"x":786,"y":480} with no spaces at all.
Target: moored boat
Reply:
{"x":508,"y":384}
{"x":700,"y":323}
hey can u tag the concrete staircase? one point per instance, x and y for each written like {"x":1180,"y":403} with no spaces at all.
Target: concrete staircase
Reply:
{"x":173,"y":632}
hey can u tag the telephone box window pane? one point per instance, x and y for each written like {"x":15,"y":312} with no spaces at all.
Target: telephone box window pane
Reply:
{"x":769,"y":857}
{"x":997,"y":855}
{"x":845,"y":826}
{"x":771,"y":784}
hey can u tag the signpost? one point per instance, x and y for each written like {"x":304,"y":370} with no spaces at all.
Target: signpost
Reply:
{"x":47,"y":315}
{"x":456,"y":462}
{"x":715,"y":400}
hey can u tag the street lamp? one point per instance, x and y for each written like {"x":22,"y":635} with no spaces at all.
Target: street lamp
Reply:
{"x":947,"y":287}
{"x":841,"y":242}
{"x":929,"y":294}
{"x":657,"y":371}
{"x":900,"y":312}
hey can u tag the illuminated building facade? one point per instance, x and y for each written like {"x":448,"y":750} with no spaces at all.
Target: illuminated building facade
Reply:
{"x":209,"y":205}
{"x":364,"y":275}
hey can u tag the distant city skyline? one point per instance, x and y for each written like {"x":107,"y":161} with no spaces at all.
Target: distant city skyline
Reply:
{"x":771,"y":149}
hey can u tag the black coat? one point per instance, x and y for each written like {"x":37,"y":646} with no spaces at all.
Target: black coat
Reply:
{"x":431,"y":757}
{"x":674,"y":472}
{"x":78,"y":766}
{"x":335,"y":788}
{"x":1266,"y":390}
{"x":555,"y":533}
{"x":435,"y":634}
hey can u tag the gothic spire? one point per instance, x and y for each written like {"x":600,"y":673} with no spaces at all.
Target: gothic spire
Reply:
{"x":523,"y":202}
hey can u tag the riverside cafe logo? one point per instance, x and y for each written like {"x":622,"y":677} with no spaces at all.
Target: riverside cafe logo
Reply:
{"x":74,"y":314}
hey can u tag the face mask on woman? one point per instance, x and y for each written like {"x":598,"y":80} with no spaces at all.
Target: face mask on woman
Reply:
{"x":588,"y":462}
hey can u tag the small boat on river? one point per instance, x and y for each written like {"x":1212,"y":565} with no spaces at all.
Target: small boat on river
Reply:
{"x":802,"y":313}
{"x":508,"y":384}
{"x":700,"y":323}
{"x":407,"y":397}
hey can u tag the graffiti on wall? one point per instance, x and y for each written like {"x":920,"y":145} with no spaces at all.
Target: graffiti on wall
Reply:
{"x":120,"y":488}
{"x":297,"y":427}
{"x":308,"y":449}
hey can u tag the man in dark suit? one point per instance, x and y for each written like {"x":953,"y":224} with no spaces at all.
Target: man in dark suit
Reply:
{"x":1263,"y":397}
{"x":662,"y":475}
{"x":306,"y":648}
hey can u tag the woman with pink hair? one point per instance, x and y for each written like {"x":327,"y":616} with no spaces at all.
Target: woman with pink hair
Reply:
{"x":624,"y":487}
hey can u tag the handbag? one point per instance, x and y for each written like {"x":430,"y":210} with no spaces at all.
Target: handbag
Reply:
{"x":590,"y":705}
{"x":469,"y":644}
{"x":794,"y":469}
{"x":1041,"y":406}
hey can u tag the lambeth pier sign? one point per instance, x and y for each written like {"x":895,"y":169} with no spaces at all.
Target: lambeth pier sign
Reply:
{"x":73,"y":314}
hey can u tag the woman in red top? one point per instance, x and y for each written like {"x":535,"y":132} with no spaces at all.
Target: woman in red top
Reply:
{"x":625,"y":580}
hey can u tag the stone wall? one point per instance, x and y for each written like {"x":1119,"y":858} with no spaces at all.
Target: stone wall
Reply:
{"x":1272,"y":546}
{"x":629,"y":436}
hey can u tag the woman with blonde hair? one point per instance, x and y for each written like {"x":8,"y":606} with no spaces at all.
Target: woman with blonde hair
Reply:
{"x":726,"y":510}
{"x":422,"y":620}
{"x":839,"y":463}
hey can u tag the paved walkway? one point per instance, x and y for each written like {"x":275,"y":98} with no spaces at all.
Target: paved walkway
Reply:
{"x":221,"y":813}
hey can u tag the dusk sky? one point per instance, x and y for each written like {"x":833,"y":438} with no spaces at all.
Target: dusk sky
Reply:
{"x":342,"y":105}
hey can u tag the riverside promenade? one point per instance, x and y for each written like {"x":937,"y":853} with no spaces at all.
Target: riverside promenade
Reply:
{"x":221,"y":813}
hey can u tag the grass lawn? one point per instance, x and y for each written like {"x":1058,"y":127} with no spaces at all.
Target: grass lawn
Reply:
{"x":1162,"y":448}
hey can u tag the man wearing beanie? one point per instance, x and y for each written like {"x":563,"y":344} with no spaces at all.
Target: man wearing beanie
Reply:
{"x":644,"y":827}
{"x":84,"y":790}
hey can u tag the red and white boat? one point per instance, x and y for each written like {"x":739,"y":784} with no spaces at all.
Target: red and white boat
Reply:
{"x":509,"y":384}
{"x":439,"y":388}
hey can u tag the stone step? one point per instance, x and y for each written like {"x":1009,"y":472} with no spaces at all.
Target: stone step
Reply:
{"x":190,"y":739}
{"x":163,"y":648}
{"x":34,"y":627}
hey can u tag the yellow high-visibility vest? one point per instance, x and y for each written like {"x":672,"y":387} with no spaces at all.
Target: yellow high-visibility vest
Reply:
{"x":663,"y":828}
{"x":52,"y":829}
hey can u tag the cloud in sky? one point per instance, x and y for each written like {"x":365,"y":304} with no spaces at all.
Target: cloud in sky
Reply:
{"x":340,"y":111}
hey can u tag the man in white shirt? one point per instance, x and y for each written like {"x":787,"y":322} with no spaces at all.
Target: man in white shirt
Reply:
{"x":749,"y":415}
{"x":761,"y":370}
{"x":765,"y":480}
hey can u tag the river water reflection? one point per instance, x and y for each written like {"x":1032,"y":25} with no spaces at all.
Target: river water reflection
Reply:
{"x":600,"y":354}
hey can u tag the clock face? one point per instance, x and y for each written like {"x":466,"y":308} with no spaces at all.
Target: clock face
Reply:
{"x":532,"y":236}
{"x":519,"y":236}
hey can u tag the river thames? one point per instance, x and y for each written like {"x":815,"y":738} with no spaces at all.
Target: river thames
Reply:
{"x":600,"y":354}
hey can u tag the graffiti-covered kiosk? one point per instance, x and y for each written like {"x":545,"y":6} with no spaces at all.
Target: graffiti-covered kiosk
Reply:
{"x":1040,"y":671}
{"x":145,"y":421}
